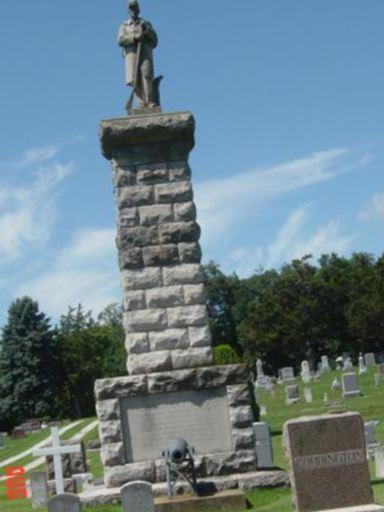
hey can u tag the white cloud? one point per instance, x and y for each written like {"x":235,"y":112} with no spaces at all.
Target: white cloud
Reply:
{"x":296,"y":238}
{"x":28,"y":212}
{"x":374,"y":209}
{"x":37,"y":156}
{"x":85,"y":271}
{"x":223,"y":204}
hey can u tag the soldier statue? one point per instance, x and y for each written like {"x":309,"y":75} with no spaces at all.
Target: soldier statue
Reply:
{"x":138,"y":38}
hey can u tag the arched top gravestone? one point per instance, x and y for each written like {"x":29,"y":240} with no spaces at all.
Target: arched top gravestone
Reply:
{"x":64,"y":503}
{"x":137,"y":496}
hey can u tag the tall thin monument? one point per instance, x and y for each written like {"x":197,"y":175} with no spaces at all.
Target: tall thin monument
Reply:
{"x":173,"y":389}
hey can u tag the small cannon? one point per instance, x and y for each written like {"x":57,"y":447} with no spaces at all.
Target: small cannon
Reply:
{"x":180,"y":464}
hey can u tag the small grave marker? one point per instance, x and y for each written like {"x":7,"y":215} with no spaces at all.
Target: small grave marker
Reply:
{"x":351,"y":386}
{"x":292,"y":394}
{"x":370,"y":359}
{"x":39,"y":489}
{"x":308,"y":395}
{"x":287,"y":374}
{"x":264,"y":453}
{"x":64,"y":503}
{"x":379,"y":461}
{"x":137,"y":497}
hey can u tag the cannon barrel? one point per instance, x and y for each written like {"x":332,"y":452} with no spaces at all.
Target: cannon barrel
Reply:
{"x":178,"y":450}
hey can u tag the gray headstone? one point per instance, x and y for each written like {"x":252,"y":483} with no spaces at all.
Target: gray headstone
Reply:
{"x":351,"y":386}
{"x":308,"y":395}
{"x":362,"y":365}
{"x":287,"y":374}
{"x":327,"y":462}
{"x":379,"y":461}
{"x":324,"y":363}
{"x":39,"y":489}
{"x":370,"y":359}
{"x":380,"y":369}
{"x":1,"y":440}
{"x":64,"y":503}
{"x":263,"y":446}
{"x":305,"y":372}
{"x":292,"y":394}
{"x":137,"y":496}
{"x":348,"y":364}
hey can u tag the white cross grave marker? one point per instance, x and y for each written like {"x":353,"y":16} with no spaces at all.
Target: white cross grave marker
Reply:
{"x":56,"y":450}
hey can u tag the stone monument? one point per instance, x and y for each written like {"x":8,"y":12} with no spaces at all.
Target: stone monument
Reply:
{"x":173,"y":388}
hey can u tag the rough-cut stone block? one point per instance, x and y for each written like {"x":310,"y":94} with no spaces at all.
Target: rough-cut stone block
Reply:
{"x":240,"y":461}
{"x":169,"y":339}
{"x":119,"y":475}
{"x":194,"y":294}
{"x":226,"y":375}
{"x":108,"y":410}
{"x":140,"y":236}
{"x":120,"y":387}
{"x":112,"y":454}
{"x":117,"y":135}
{"x":155,"y":214}
{"x":190,"y":253}
{"x":199,"y":336}
{"x":137,"y":343}
{"x":243,"y":438}
{"x":183,"y":274}
{"x":138,"y":195}
{"x":130,"y":258}
{"x":145,"y":320}
{"x":160,"y":361}
{"x":154,"y":173}
{"x":167,"y":382}
{"x":134,"y":300}
{"x":110,"y":432}
{"x":184,"y":212}
{"x":238,"y":395}
{"x":174,"y":192}
{"x":179,"y":171}
{"x":167,"y":296}
{"x":191,"y":358}
{"x":128,"y":218}
{"x":123,"y":176}
{"x":159,"y":255}
{"x":142,"y":279}
{"x":179,"y":232}
{"x":241,"y":416}
{"x":187,"y":316}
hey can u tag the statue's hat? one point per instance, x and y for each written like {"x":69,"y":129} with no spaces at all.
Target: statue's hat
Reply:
{"x":133,"y":3}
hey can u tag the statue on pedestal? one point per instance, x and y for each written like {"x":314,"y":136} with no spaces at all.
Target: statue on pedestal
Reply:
{"x":138,"y":38}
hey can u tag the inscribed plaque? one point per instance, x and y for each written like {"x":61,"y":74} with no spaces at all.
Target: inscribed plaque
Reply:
{"x":151,"y":422}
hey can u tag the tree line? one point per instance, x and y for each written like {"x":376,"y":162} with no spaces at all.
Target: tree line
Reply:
{"x":283,"y":316}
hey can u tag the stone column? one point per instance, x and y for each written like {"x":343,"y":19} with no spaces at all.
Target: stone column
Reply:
{"x":173,"y":388}
{"x":166,"y":321}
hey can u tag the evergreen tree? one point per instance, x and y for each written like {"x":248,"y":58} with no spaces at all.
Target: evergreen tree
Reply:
{"x":27,"y":365}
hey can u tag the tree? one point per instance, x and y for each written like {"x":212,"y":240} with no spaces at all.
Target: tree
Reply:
{"x":28,"y":363}
{"x":89,"y":350}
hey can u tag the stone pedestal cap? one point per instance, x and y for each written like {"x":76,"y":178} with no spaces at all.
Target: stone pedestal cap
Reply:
{"x":124,"y":132}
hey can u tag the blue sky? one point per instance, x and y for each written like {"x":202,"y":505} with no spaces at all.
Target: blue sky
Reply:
{"x":288,"y":99}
